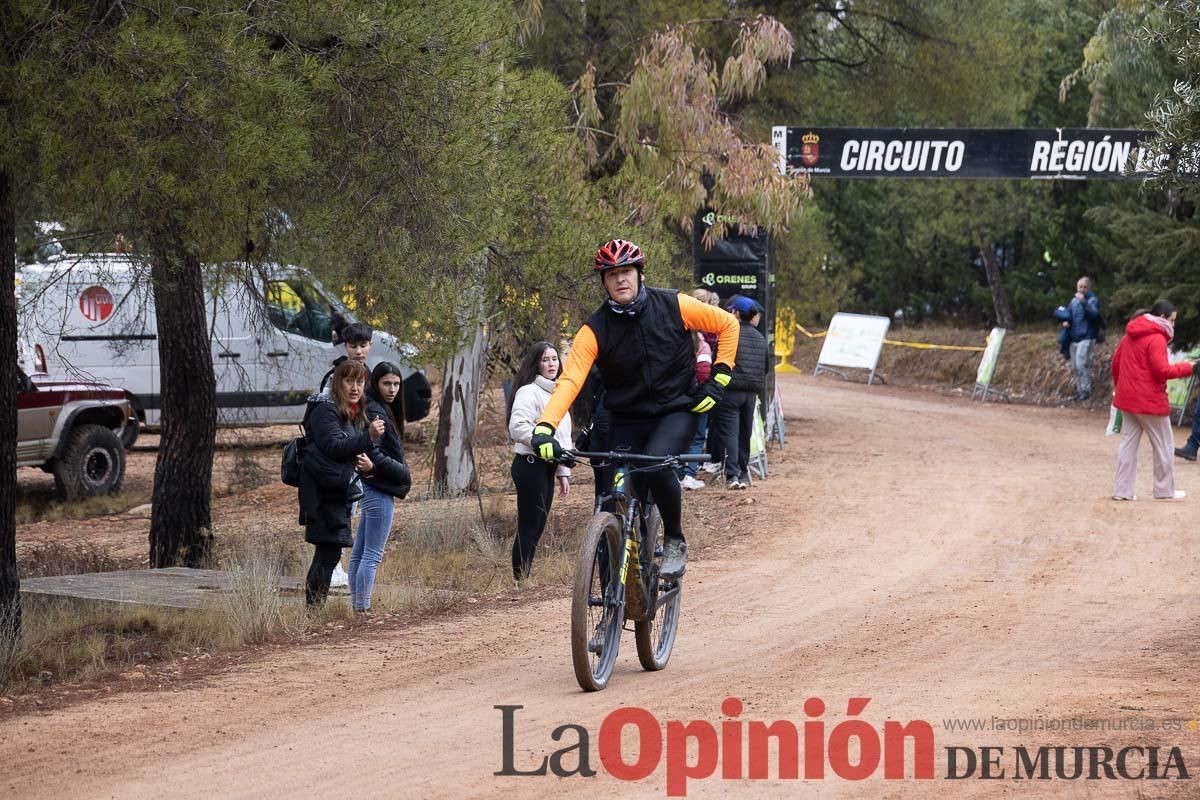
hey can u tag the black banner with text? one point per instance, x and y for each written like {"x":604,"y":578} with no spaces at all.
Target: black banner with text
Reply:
{"x":1049,"y":154}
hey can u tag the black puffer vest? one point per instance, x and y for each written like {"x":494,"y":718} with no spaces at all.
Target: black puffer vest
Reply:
{"x":647,"y":361}
{"x":750,"y":366}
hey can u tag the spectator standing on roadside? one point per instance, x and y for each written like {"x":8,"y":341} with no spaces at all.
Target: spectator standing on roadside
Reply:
{"x":706,"y":426}
{"x":385,"y":478}
{"x":704,"y":357}
{"x":1140,"y":371}
{"x":338,"y":437}
{"x":1192,"y":445}
{"x":735,"y":413}
{"x":534,"y":477}
{"x":356,"y":342}
{"x":1084,"y":327}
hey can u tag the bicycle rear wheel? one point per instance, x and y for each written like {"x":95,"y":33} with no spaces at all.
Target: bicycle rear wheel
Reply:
{"x":596,"y":614}
{"x":655,"y":636}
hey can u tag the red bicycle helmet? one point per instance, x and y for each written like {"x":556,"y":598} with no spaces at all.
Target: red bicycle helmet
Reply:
{"x":619,"y":253}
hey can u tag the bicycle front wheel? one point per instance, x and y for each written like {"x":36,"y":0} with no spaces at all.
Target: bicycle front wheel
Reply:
{"x":596,"y":612}
{"x":655,"y":636}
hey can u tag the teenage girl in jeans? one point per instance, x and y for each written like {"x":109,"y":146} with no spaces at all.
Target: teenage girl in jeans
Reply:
{"x":385,"y":477}
{"x":533,"y":477}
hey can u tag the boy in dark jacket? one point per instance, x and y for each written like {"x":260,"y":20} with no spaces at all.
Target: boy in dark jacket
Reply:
{"x":356,"y":339}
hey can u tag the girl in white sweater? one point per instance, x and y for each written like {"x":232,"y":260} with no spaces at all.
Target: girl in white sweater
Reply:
{"x":533,"y":477}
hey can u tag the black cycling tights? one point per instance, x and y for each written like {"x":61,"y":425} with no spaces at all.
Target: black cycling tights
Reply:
{"x":669,"y":435}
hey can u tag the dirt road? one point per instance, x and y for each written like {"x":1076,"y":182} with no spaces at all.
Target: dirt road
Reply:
{"x":946,"y":560}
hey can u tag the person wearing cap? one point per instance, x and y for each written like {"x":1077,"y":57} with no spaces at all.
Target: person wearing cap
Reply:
{"x":640,"y":339}
{"x":734,"y":415}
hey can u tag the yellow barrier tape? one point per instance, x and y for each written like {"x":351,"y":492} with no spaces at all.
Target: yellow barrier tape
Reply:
{"x":916,"y":345}
{"x":809,"y":335}
{"x":924,"y":346}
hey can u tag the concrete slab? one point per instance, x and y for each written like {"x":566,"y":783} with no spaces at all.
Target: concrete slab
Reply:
{"x":175,"y":587}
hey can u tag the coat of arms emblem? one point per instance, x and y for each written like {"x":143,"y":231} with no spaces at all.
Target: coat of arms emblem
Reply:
{"x":810,"y":148}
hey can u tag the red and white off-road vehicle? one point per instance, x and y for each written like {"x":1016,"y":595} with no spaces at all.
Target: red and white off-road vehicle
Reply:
{"x":72,"y":430}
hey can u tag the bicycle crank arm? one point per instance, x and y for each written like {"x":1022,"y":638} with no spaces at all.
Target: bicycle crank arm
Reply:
{"x":665,"y":596}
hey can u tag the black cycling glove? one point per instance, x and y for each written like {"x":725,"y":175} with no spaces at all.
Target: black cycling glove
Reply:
{"x":712,"y":389}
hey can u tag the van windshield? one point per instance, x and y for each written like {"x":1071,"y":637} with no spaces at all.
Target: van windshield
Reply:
{"x":297,"y":306}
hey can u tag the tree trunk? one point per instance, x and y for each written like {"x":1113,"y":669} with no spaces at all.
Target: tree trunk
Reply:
{"x":10,"y":596}
{"x":1004,"y":314}
{"x":181,"y":519}
{"x":458,"y":412}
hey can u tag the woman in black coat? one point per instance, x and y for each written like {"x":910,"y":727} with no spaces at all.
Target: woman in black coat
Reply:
{"x":385,"y":477}
{"x":339,"y":439}
{"x":734,"y":415}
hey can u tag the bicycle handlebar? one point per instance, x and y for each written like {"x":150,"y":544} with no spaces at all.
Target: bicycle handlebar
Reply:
{"x":639,"y":458}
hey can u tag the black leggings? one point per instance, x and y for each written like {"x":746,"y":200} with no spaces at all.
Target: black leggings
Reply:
{"x":735,"y":423}
{"x":325,"y":559}
{"x":534,"y":480}
{"x":668,"y":435}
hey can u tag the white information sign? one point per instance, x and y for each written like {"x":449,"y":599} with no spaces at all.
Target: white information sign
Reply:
{"x":853,"y":341}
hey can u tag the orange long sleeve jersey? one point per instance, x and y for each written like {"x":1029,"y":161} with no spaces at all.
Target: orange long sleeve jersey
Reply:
{"x":696,"y":316}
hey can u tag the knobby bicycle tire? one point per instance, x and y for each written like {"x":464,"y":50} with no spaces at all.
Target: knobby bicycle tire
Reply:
{"x":595,"y":620}
{"x":655,"y":637}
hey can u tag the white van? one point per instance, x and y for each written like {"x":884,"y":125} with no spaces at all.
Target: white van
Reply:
{"x":270,"y":332}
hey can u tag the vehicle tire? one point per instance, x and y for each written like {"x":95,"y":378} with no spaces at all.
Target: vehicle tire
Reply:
{"x":130,"y":432}
{"x":90,"y":462}
{"x":596,"y":617}
{"x":655,"y":637}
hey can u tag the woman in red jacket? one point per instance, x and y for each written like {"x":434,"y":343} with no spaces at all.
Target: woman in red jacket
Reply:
{"x":1140,"y":372}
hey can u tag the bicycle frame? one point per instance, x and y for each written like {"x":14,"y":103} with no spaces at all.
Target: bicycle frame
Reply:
{"x":640,"y":597}
{"x":629,"y":592}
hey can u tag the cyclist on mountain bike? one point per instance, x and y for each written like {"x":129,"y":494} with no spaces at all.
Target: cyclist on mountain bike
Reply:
{"x":640,"y":339}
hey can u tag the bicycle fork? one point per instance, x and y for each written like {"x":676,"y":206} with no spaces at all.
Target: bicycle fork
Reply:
{"x":613,"y":598}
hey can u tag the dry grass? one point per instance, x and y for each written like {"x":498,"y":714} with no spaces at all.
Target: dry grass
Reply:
{"x":42,"y":504}
{"x":63,"y":639}
{"x":11,"y":651}
{"x":249,"y":471}
{"x":442,"y":551}
{"x":254,"y":609}
{"x":70,"y":557}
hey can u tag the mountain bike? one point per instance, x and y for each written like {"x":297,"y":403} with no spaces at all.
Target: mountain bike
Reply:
{"x":617,"y":575}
